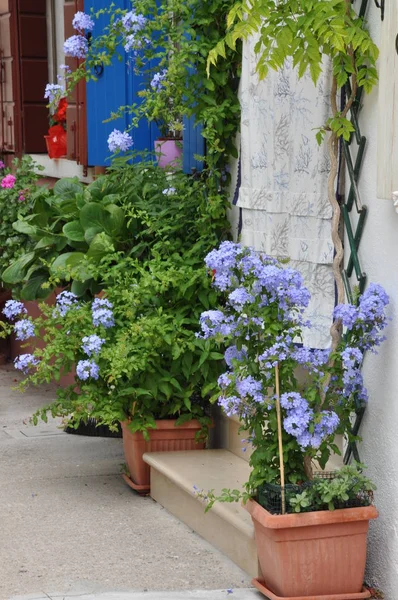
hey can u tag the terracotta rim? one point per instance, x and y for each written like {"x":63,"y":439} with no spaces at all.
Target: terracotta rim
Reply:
{"x":169,"y":424}
{"x":320,"y":517}
{"x":261,"y":586}
{"x":142,"y":490}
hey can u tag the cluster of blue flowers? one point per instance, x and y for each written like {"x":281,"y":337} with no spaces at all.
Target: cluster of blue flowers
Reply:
{"x":299,"y":418}
{"x":13,"y":308}
{"x":367,"y":320}
{"x":169,"y":191}
{"x":352,"y":376}
{"x":249,"y":390}
{"x":102,"y":314}
{"x":133,"y":23}
{"x":158,"y":79}
{"x":24,"y":362}
{"x":119,"y":141}
{"x":250,"y":277}
{"x":86,"y":369}
{"x":76,"y":46}
{"x":215,"y":322}
{"x":92,"y":344}
{"x":53,"y":92}
{"x":64,"y":301}
{"x":233,"y":354}
{"x":82,"y":22}
{"x":24,"y":330}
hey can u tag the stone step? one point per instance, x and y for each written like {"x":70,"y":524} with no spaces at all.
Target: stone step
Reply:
{"x":227,"y":525}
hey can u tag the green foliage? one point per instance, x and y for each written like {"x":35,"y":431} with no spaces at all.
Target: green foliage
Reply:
{"x":61,"y":230}
{"x":305,"y":31}
{"x":349,"y":487}
{"x":17,"y":202}
{"x":152,"y":364}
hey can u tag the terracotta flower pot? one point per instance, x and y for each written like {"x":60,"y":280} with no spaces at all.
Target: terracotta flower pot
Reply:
{"x":165,"y":438}
{"x":169,"y":153}
{"x":319,"y":555}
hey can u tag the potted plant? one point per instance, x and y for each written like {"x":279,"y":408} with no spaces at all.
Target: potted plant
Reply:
{"x":56,"y":139}
{"x":137,"y":358}
{"x":293,"y":400}
{"x":161,"y":103}
{"x":144,"y":362}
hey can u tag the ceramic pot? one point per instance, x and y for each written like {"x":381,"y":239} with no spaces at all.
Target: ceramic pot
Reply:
{"x":319,"y":555}
{"x":56,"y":141}
{"x":165,"y":438}
{"x":169,"y":153}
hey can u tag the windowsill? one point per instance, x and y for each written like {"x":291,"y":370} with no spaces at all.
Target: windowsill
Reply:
{"x":62,"y":167}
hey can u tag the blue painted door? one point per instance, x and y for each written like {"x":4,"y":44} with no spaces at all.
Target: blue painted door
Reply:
{"x":193,"y":144}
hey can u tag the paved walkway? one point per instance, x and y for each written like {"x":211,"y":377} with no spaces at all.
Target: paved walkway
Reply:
{"x":71,"y":528}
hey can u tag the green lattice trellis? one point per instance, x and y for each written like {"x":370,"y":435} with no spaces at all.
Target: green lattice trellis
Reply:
{"x":354,"y":223}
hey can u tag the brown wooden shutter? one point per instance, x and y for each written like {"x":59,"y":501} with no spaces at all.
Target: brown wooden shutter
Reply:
{"x":10,"y":115}
{"x":34,"y":73}
{"x":76,"y":112}
{"x":23,"y":76}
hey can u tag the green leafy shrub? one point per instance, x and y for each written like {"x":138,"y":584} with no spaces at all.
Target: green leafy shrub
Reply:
{"x":150,"y":363}
{"x":16,"y":202}
{"x":135,"y":208}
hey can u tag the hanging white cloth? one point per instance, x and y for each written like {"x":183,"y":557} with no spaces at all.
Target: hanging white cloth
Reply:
{"x":283,"y":193}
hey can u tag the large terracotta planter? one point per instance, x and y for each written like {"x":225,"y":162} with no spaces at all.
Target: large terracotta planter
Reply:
{"x":169,"y":153}
{"x":165,"y":438}
{"x":318,"y":555}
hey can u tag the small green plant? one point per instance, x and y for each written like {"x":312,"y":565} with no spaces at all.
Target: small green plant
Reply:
{"x":349,"y":487}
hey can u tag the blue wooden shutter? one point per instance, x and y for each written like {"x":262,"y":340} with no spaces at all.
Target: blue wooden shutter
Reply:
{"x":193,"y":144}
{"x":117,"y":86}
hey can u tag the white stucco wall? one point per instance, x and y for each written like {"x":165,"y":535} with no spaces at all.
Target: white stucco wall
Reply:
{"x":379,"y":449}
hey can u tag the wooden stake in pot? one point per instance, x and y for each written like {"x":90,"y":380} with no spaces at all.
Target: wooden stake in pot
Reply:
{"x":279,"y":421}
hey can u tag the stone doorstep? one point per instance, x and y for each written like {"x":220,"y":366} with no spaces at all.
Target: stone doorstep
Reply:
{"x":227,"y":526}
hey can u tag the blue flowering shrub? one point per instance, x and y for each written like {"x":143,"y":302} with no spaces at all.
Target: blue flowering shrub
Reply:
{"x":261,"y":322}
{"x":135,"y":350}
{"x":135,"y":346}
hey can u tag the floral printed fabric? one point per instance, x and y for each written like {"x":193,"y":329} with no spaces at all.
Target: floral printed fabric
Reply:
{"x":283,"y":192}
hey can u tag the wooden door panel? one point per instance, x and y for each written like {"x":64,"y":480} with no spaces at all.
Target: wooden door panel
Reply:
{"x":34,"y":78}
{"x":33,"y":6}
{"x":35,"y":127}
{"x":33,"y":72}
{"x":33,"y":36}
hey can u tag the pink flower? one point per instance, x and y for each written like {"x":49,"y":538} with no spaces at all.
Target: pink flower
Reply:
{"x":8,"y":181}
{"x":2,"y":165}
